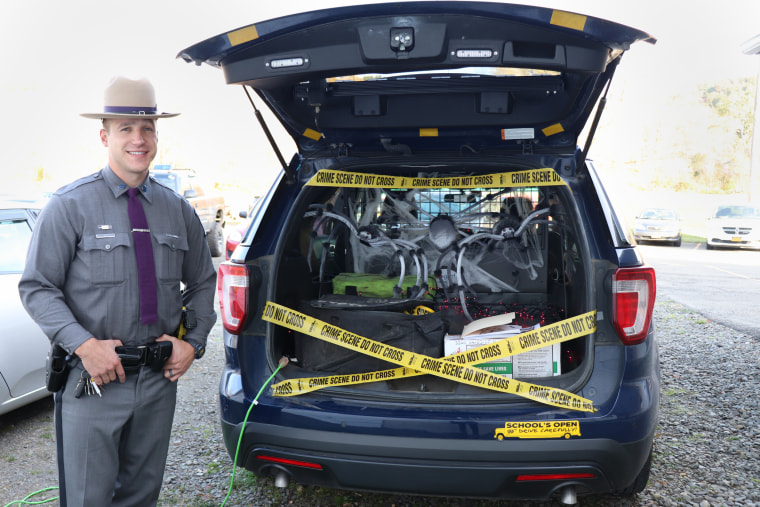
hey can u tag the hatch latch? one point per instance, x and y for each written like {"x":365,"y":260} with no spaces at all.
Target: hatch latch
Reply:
{"x":402,"y":39}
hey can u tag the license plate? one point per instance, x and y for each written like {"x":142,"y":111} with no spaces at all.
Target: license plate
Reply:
{"x":736,"y":240}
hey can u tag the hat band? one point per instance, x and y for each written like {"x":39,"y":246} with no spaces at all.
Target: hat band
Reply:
{"x":129,"y":110}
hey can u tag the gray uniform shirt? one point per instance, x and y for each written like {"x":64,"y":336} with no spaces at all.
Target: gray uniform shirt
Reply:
{"x":80,"y":278}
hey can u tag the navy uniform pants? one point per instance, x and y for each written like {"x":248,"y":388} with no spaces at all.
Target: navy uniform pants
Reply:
{"x":112,"y":449}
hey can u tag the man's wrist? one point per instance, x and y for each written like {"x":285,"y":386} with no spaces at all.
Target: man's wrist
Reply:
{"x":200,"y":348}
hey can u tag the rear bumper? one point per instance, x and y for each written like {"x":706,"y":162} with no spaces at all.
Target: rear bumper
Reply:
{"x":650,"y":236}
{"x":448,"y":449}
{"x":731,"y":243}
{"x":463,"y":468}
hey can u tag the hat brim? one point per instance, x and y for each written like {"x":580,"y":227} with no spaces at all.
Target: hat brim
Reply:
{"x":111,"y":116}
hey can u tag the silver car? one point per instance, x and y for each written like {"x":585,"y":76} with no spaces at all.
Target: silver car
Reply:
{"x":658,"y":224}
{"x":23,"y":346}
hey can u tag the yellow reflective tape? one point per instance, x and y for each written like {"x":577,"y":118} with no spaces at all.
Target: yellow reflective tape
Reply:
{"x":445,"y":368}
{"x":428,"y":132}
{"x":553,"y":129}
{"x":243,"y":35}
{"x":528,"y":178}
{"x":312,"y":134}
{"x":568,"y":20}
{"x":562,"y":331}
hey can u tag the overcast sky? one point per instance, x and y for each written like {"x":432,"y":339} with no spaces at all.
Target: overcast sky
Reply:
{"x":59,"y":55}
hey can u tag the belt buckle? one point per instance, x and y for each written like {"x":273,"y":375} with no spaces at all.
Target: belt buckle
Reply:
{"x":143,"y":354}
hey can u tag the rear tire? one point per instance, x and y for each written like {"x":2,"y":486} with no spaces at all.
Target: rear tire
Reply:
{"x":215,"y":240}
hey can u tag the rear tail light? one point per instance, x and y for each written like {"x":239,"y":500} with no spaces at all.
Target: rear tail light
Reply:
{"x":232,"y":285}
{"x":633,"y":293}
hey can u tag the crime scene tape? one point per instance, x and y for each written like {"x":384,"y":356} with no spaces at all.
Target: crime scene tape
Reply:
{"x":558,"y":332}
{"x":529,"y":178}
{"x":457,"y":367}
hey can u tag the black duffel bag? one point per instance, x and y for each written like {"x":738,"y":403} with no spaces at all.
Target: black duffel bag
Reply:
{"x":422,"y":334}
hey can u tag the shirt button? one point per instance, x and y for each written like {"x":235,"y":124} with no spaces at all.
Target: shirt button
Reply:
{"x":108,"y":247}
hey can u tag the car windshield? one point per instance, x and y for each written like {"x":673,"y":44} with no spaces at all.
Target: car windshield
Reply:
{"x":659,"y":214}
{"x":168,"y":179}
{"x":737,"y":212}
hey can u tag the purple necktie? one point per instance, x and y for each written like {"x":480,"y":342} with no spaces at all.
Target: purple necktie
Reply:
{"x":146,"y":267}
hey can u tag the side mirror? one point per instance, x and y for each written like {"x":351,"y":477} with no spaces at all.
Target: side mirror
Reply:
{"x":190,"y":193}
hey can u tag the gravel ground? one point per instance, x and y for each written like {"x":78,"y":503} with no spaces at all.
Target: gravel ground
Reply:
{"x":707,"y":448}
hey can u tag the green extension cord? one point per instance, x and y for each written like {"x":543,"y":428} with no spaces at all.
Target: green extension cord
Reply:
{"x":26,"y":501}
{"x":283,"y":362}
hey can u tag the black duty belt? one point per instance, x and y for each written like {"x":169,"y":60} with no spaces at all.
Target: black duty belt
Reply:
{"x":153,"y":356}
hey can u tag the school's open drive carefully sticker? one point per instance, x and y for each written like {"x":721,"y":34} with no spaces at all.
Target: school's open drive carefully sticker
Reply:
{"x":538,"y":429}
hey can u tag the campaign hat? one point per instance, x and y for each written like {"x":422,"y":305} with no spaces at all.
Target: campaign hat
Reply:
{"x":128,"y":98}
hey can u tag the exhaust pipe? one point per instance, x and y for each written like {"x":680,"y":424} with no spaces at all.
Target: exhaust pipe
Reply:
{"x":568,"y":496}
{"x":281,"y":479}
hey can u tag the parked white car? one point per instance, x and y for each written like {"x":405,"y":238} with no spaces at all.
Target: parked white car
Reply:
{"x":734,"y":226}
{"x":23,"y":345}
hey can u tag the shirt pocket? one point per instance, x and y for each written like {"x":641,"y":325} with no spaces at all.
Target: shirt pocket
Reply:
{"x":170,"y":255}
{"x":106,"y":254}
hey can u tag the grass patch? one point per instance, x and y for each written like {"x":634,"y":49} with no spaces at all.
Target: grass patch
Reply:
{"x":212,"y":468}
{"x":244,"y":479}
{"x":688,"y":238}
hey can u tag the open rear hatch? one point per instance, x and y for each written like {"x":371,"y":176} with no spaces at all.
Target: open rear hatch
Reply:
{"x":425,"y":75}
{"x":425,"y":130}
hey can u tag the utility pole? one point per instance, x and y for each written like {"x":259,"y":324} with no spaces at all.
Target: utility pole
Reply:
{"x":752,"y":47}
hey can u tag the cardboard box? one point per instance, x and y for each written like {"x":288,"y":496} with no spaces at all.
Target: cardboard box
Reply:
{"x":543,"y":362}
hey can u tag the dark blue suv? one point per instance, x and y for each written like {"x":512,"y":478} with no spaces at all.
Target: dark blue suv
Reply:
{"x":437,"y":285}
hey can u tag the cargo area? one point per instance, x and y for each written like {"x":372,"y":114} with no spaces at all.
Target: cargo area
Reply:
{"x":412,"y":267}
